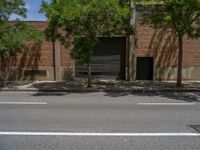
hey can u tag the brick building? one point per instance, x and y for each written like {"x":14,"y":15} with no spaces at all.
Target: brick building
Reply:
{"x":151,"y":54}
{"x":155,"y":53}
{"x":41,"y":62}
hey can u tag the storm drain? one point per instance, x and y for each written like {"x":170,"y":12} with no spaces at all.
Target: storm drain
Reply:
{"x":195,"y":127}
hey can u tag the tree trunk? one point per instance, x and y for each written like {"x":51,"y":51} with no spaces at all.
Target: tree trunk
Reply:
{"x":1,"y":84}
{"x":54,"y":65}
{"x":89,"y":75}
{"x":180,"y":60}
{"x":2,"y":81}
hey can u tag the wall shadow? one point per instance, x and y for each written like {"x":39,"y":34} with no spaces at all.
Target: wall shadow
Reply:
{"x":163,"y":47}
{"x":28,"y":59}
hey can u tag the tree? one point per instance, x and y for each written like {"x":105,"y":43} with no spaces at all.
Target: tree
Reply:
{"x":85,"y":21}
{"x":9,"y":7}
{"x":182,"y":17}
{"x":83,"y":52}
{"x":15,"y":35}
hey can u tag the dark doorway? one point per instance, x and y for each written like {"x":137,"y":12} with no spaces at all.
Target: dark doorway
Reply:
{"x":108,"y":60}
{"x":144,"y":68}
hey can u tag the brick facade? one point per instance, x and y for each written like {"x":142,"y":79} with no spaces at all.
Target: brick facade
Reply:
{"x":148,"y":42}
{"x":39,"y":58}
{"x":163,"y":47}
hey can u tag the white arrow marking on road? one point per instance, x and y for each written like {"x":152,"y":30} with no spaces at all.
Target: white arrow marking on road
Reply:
{"x":175,"y":104}
{"x":101,"y":134}
{"x":23,"y":103}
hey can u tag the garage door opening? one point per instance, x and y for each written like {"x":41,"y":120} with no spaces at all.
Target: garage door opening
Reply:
{"x":108,"y":60}
{"x":144,"y":68}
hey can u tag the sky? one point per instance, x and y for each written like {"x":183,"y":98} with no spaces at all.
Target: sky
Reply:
{"x":33,"y":7}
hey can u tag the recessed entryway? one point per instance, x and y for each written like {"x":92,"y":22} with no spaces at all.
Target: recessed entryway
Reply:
{"x":144,"y":68}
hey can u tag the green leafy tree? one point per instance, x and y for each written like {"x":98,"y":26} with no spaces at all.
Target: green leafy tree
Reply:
{"x":15,"y":35}
{"x":82,"y":22}
{"x":10,"y":7}
{"x":83,"y":52}
{"x":182,"y":17}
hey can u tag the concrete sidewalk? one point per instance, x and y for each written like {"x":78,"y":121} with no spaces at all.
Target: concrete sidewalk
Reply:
{"x":102,"y":86}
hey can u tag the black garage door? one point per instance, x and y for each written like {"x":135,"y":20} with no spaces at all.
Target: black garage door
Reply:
{"x":108,"y":61}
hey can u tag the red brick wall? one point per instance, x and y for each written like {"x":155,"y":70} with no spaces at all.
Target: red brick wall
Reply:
{"x":46,"y":52}
{"x":163,"y":46}
{"x":66,"y":60}
{"x":34,"y":57}
{"x":46,"y":58}
{"x":41,"y":25}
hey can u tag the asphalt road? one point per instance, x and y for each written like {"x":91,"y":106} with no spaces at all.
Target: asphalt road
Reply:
{"x":99,"y":121}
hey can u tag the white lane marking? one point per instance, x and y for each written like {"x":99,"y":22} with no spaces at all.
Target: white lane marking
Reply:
{"x":23,"y":103}
{"x":175,"y":104}
{"x":100,"y":134}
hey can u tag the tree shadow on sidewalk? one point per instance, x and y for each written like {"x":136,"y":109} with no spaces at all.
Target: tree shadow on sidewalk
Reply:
{"x":120,"y":89}
{"x":59,"y":88}
{"x":184,"y":96}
